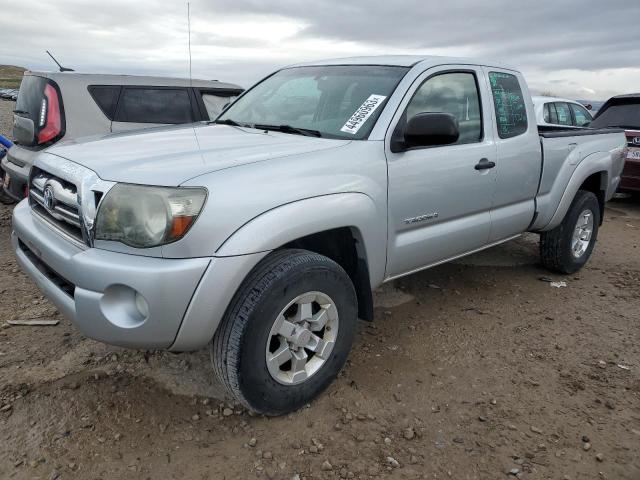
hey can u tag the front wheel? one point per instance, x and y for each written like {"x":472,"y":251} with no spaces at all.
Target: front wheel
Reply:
{"x":566,"y":248}
{"x":287,"y":333}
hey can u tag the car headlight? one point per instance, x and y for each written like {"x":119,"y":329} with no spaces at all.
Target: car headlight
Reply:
{"x":142,"y":217}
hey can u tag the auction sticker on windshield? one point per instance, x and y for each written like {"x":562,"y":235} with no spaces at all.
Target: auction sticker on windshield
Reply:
{"x":362,"y":114}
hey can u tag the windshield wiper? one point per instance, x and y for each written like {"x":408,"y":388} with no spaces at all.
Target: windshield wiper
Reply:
{"x":228,"y":121}
{"x":289,"y":129}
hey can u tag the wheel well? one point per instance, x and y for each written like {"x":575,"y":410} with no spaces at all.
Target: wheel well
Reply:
{"x":343,"y":246}
{"x":596,"y":184}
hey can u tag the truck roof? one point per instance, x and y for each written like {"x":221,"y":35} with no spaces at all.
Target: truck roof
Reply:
{"x":106,"y":79}
{"x":406,"y":61}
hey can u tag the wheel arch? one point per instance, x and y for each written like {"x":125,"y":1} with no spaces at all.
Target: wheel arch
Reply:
{"x":345,"y":227}
{"x":592,"y":174}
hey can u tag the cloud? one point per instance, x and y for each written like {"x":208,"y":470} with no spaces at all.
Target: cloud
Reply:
{"x":584,"y":43}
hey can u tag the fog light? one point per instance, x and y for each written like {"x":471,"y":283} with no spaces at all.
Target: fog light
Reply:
{"x":142,"y":305}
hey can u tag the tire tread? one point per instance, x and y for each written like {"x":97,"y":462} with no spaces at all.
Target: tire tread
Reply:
{"x":226,"y":343}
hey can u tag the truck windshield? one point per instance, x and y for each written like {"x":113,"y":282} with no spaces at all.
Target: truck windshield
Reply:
{"x":323,"y":101}
{"x":623,"y":115}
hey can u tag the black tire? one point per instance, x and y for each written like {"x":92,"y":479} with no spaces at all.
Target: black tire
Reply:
{"x":238,"y":347}
{"x":555,"y":245}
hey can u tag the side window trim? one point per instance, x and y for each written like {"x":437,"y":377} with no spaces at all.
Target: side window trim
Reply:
{"x":403,"y":118}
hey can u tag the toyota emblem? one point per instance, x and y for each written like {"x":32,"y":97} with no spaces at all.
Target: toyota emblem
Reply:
{"x":49,"y":198}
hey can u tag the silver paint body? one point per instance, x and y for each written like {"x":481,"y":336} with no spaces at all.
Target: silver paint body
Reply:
{"x":269,"y":188}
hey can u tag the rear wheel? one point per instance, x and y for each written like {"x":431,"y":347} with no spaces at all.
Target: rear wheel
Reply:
{"x":287,"y":333}
{"x":566,"y":248}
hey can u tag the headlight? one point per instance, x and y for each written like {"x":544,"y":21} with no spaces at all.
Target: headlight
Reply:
{"x":143,"y":217}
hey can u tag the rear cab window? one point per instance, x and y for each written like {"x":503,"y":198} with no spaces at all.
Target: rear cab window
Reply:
{"x":511,"y":111}
{"x":154,"y":105}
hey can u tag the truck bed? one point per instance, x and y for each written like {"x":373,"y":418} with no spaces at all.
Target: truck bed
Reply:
{"x":559,"y":132}
{"x":563,"y":151}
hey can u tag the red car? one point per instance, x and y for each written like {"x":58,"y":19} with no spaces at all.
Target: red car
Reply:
{"x":623,"y":111}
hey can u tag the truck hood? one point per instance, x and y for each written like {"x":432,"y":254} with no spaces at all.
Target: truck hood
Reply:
{"x":169,"y":156}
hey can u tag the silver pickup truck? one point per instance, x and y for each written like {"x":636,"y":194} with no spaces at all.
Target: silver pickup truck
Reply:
{"x":264,"y":232}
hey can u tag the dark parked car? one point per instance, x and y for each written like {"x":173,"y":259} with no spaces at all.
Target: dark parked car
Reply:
{"x":623,"y":111}
{"x":9,"y":94}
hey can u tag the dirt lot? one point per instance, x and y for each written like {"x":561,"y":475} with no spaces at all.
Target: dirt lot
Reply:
{"x":471,"y":370}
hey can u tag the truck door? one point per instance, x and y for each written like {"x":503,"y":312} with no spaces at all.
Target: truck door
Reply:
{"x":519,"y":160}
{"x":440,"y":197}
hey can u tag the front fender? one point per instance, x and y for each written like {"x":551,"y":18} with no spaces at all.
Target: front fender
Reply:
{"x":283,"y":224}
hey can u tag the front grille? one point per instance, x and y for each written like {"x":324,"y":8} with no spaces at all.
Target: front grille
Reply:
{"x":56,"y":201}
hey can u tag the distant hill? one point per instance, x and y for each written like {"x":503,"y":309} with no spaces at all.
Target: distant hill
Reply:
{"x":10,"y":76}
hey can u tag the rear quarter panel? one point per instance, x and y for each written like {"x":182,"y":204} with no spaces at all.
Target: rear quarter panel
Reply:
{"x":82,"y":115}
{"x":568,"y":162}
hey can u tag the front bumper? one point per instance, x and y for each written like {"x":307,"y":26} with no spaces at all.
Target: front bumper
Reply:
{"x":96,"y":289}
{"x":18,"y":178}
{"x":17,"y":164}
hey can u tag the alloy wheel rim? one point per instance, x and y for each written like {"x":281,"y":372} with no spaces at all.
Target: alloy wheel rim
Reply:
{"x":302,"y":338}
{"x":582,"y":234}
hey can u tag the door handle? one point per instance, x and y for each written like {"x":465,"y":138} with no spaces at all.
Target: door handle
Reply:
{"x":484,"y":164}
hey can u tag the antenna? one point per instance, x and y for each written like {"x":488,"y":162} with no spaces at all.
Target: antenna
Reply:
{"x":189,"y":29}
{"x":62,"y":69}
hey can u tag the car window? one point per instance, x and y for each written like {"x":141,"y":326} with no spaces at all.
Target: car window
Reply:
{"x":623,"y":112}
{"x":581,"y":115}
{"x":511,"y":112}
{"x":550,"y":116}
{"x":106,"y":96}
{"x":546,"y":115}
{"x":455,"y":93}
{"x":564,"y":114}
{"x":155,"y":105}
{"x":215,"y":104}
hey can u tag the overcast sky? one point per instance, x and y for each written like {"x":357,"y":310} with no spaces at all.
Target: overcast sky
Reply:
{"x":576,"y":48}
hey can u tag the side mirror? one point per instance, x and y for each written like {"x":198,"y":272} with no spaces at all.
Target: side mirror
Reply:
{"x":429,"y":129}
{"x":23,"y":130}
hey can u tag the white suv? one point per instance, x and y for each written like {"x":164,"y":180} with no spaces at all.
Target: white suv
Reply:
{"x":56,"y":106}
{"x":560,"y":112}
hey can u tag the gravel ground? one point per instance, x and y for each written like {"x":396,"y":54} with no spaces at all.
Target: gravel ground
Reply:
{"x":6,"y":117}
{"x":471,"y":370}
